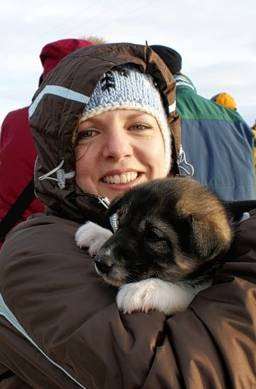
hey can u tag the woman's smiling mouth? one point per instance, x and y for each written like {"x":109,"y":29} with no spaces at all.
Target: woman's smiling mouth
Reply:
{"x":123,"y":178}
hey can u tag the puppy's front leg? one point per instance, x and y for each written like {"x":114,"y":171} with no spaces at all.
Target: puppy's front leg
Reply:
{"x":155,"y":294}
{"x":93,"y":236}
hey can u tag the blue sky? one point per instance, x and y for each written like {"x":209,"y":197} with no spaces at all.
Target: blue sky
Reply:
{"x":217,"y":40}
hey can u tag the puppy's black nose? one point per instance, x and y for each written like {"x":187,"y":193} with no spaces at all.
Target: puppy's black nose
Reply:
{"x":103,"y":264}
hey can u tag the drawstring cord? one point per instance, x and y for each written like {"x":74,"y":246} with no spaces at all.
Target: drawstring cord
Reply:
{"x":182,"y":159}
{"x":113,"y":219}
{"x":104,"y":201}
{"x":61,"y":175}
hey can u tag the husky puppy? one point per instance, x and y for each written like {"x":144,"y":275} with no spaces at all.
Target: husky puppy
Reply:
{"x":168,"y":235}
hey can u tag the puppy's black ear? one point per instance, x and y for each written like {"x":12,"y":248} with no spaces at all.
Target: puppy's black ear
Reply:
{"x":210,"y":235}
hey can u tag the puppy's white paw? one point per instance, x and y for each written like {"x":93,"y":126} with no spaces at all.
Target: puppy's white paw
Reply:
{"x":93,"y":236}
{"x":154,"y":294}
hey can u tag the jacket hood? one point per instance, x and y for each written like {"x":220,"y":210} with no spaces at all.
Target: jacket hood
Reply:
{"x":55,"y":111}
{"x":170,"y":56}
{"x":53,"y":52}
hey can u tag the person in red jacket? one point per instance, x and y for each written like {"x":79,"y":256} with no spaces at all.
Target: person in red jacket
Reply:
{"x":17,"y":151}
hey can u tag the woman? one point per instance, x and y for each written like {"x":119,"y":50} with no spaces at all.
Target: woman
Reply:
{"x":100,"y":126}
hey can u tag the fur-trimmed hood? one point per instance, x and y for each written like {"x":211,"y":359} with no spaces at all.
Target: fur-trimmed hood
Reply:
{"x":54,"y":115}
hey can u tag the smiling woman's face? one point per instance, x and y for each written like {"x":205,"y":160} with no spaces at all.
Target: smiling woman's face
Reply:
{"x":117,"y":150}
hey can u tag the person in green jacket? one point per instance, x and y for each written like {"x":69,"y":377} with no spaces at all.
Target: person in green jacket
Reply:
{"x":216,"y":141}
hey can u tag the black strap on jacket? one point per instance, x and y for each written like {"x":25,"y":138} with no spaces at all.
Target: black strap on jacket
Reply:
{"x":7,"y":374}
{"x":237,"y":208}
{"x":15,"y":213}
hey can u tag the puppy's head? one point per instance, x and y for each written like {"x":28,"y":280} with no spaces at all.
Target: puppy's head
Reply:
{"x":169,"y":229}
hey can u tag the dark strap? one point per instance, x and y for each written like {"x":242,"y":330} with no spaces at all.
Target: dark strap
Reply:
{"x":237,"y":208}
{"x":7,"y":374}
{"x":15,"y":213}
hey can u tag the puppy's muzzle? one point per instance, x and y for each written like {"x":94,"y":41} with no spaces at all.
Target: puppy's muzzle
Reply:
{"x":103,"y":264}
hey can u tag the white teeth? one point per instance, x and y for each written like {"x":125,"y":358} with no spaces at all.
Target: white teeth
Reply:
{"x":117,"y":179}
{"x":123,"y":178}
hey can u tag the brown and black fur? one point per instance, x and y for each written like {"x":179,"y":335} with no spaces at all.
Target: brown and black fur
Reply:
{"x":172,"y":229}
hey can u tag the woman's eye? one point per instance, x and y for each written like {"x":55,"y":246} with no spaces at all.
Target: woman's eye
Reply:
{"x":86,"y":134}
{"x":141,"y":127}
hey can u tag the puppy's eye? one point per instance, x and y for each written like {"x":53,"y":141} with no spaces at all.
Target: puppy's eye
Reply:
{"x":153,"y":235}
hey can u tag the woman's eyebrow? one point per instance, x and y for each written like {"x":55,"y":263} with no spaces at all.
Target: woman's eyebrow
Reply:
{"x":91,"y":121}
{"x":97,"y":120}
{"x":88,"y":125}
{"x":136,"y":115}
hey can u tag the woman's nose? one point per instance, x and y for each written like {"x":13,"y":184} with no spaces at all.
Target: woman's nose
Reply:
{"x":117,"y":145}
